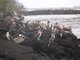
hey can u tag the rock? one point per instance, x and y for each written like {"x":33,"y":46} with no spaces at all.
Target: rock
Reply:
{"x":65,"y":45}
{"x":12,"y":51}
{"x":18,"y":39}
{"x":60,"y":49}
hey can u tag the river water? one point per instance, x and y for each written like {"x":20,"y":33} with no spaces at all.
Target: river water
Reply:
{"x":66,"y":20}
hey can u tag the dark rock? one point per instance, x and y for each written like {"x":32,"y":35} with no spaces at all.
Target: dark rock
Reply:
{"x":65,"y":46}
{"x":61,"y":47}
{"x":12,"y":51}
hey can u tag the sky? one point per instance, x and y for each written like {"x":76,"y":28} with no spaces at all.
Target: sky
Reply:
{"x":49,"y":3}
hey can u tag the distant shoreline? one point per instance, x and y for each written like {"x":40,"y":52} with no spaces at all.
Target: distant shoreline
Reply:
{"x":51,"y":12}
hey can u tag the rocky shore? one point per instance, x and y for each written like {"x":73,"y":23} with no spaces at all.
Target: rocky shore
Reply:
{"x":35,"y":40}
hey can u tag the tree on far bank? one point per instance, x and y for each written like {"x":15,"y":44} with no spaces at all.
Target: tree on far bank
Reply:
{"x":10,"y":5}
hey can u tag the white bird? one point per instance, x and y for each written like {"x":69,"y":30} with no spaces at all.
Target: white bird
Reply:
{"x":8,"y":35}
{"x":40,"y":33}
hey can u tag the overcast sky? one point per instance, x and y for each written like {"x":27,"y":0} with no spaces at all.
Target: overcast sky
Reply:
{"x":49,"y":3}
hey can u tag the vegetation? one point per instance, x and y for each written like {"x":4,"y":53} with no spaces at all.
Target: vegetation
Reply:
{"x":10,"y":5}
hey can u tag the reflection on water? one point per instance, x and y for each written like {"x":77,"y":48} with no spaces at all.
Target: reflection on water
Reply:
{"x":66,"y":20}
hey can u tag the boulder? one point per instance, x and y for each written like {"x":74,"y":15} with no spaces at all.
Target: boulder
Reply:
{"x":12,"y":51}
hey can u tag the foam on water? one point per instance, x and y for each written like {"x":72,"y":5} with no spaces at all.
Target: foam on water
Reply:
{"x":66,"y":20}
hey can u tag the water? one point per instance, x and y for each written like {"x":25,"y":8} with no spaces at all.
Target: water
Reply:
{"x":66,"y":20}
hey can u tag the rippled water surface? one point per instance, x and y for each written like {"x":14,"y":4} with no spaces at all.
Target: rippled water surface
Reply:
{"x":66,"y":20}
